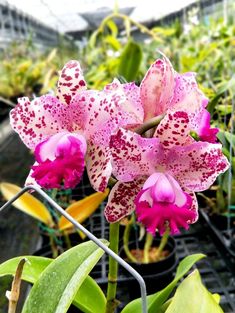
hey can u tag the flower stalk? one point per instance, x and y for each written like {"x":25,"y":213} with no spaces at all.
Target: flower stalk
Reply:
{"x":163,"y":243}
{"x":112,"y":302}
{"x":147,"y":246}
{"x":127,"y":22}
{"x":126,"y":237}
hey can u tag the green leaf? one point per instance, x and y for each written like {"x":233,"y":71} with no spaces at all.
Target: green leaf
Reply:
{"x":113,"y":27}
{"x":230,"y":138}
{"x":62,"y":279}
{"x":212,"y":104}
{"x":93,"y":39}
{"x":113,"y":42}
{"x":191,"y":296}
{"x":224,"y":109}
{"x":36,"y":265}
{"x":32,"y":269}
{"x":228,"y":85}
{"x":156,"y":300}
{"x":130,"y":61}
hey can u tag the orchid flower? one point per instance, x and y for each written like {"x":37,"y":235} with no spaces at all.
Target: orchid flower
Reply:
{"x":163,"y":90}
{"x":74,"y":128}
{"x":161,"y":174}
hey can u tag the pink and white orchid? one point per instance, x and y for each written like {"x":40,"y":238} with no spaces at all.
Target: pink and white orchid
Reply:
{"x":164,"y":90}
{"x":161,"y":174}
{"x":77,"y":123}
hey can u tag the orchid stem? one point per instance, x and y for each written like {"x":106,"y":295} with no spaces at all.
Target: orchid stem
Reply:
{"x":151,"y":123}
{"x":112,"y":181}
{"x":147,"y":246}
{"x":13,"y":295}
{"x":67,"y":240}
{"x":54,"y":249}
{"x":140,"y":26}
{"x":163,"y":243}
{"x":126,"y":237}
{"x":112,"y":302}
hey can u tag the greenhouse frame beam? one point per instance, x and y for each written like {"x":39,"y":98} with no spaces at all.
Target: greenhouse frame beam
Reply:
{"x":16,"y":25}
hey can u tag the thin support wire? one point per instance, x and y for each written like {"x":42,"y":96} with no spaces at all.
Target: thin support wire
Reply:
{"x":58,"y":208}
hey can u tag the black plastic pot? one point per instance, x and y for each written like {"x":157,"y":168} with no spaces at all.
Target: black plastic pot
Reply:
{"x":157,"y":275}
{"x":45,"y":249}
{"x":221,"y":221}
{"x":223,"y":238}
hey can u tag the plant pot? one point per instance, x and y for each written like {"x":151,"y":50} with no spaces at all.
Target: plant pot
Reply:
{"x":221,"y":221}
{"x":46,"y":250}
{"x":157,"y":275}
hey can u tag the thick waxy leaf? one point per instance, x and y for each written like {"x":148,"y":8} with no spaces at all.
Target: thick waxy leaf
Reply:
{"x":130,"y":61}
{"x":62,"y":279}
{"x":82,"y":209}
{"x":36,"y":265}
{"x":27,"y":203}
{"x":191,"y":296}
{"x":156,"y":300}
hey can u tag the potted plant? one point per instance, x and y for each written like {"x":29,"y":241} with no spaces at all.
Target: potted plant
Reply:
{"x":152,"y":144}
{"x":157,"y":163}
{"x":62,"y":280}
{"x":153,"y":257}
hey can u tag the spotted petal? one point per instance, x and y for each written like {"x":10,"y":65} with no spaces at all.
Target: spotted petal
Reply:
{"x":194,"y":206}
{"x":98,"y":163}
{"x":41,"y":118}
{"x":174,"y":130}
{"x":196,"y":166}
{"x":188,"y":97}
{"x":102,"y":112}
{"x":132,"y":155}
{"x":121,"y":200}
{"x":157,"y":88}
{"x":71,"y":80}
{"x":133,"y":102}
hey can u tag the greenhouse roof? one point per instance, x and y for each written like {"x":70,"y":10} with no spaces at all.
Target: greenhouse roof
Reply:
{"x":73,"y":15}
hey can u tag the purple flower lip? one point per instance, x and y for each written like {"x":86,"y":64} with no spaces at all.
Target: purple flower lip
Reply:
{"x":60,"y":161}
{"x":162,"y":202}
